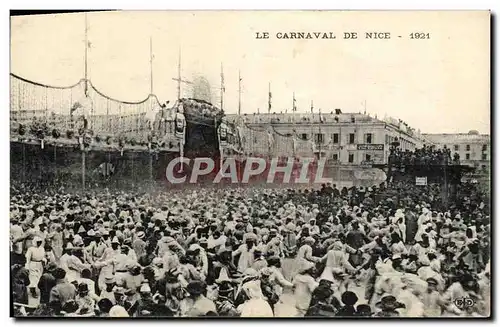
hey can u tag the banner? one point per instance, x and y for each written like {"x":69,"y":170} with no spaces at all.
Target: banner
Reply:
{"x":421,"y":181}
{"x":371,"y":147}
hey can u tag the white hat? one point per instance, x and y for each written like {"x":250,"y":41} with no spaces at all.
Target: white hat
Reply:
{"x":145,"y":288}
{"x":115,"y":240}
{"x":118,"y":312}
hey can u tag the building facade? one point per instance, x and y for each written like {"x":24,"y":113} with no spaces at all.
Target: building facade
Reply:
{"x":474,"y":148}
{"x":346,"y":138}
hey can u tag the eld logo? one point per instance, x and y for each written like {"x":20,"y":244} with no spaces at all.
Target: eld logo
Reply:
{"x":464,"y":303}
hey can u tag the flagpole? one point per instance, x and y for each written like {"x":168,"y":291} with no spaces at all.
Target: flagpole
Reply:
{"x":151,"y":92}
{"x":179,"y":76}
{"x":86,"y":95}
{"x":269,"y":99}
{"x":221,"y":87}
{"x":151,"y":64}
{"x":239,"y":92}
{"x":86,"y":54}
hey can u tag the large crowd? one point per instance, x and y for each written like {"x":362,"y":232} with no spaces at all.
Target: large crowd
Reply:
{"x":424,"y":156}
{"x":385,"y":251}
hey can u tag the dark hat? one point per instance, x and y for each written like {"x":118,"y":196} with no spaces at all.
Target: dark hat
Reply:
{"x":349,"y":298}
{"x":83,"y":288}
{"x":225,"y":288}
{"x":70,"y":306}
{"x":196,"y":287}
{"x":59,"y":273}
{"x":389,"y":302}
{"x":431,"y":280}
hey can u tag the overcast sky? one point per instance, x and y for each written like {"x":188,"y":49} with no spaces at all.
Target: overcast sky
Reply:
{"x":440,"y":85}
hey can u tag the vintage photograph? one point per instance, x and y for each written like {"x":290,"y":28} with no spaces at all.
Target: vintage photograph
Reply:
{"x":241,"y":164}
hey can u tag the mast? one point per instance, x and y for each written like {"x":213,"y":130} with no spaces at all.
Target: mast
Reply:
{"x":179,"y":76}
{"x":294,"y":109}
{"x":239,"y":92}
{"x":222,"y":89}
{"x":269,"y":99}
{"x":151,"y":64}
{"x":86,"y":55}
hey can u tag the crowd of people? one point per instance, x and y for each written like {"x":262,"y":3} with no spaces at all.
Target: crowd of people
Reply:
{"x":385,"y":251}
{"x":427,"y":155}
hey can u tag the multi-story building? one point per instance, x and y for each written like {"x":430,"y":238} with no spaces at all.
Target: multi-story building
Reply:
{"x":474,"y":148}
{"x":348,"y":138}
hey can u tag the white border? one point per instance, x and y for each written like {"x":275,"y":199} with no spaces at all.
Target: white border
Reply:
{"x":5,"y":5}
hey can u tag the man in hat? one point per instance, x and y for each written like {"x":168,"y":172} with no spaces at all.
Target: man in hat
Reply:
{"x":432,"y":299}
{"x":106,"y":264}
{"x":139,"y":245}
{"x":107,"y":292}
{"x":259,"y":258}
{"x":46,"y":283}
{"x":349,"y":299}
{"x":84,"y":300}
{"x":64,"y":291}
{"x":321,"y":306}
{"x":225,"y":300}
{"x":145,"y":305}
{"x":388,"y":306}
{"x":197,"y":304}
{"x":35,"y":257}
{"x":304,"y":285}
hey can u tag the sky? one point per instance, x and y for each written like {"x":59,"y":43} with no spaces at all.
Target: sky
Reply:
{"x":437,"y":85}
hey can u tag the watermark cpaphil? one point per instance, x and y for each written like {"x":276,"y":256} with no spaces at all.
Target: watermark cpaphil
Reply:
{"x":298,"y":171}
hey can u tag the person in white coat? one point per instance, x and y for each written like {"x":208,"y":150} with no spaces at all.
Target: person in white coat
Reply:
{"x":35,"y":258}
{"x":255,"y":305}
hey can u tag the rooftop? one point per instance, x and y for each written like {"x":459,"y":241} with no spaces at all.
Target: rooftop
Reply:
{"x":471,"y":136}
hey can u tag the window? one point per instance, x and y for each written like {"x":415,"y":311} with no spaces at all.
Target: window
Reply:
{"x":368,"y":138}
{"x":351,"y":157}
{"x":304,"y":136}
{"x":484,"y":156}
{"x":485,"y":147}
{"x":467,"y":156}
{"x":351,"y":138}
{"x":467,"y":147}
{"x":368,"y":157}
{"x":335,"y":138}
{"x":335,"y":156}
{"x":483,"y":167}
{"x":319,"y":138}
{"x":457,"y":147}
{"x":387,"y":141}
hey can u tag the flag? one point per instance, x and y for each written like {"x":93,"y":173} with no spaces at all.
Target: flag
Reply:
{"x":312,"y":106}
{"x":223,"y":88}
{"x":321,"y":119}
{"x":294,"y":103}
{"x":77,"y":105}
{"x":269,"y":102}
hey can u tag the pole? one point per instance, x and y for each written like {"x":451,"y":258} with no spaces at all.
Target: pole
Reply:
{"x":179,"y":76}
{"x":269,"y":100}
{"x":151,"y":168}
{"x":86,"y":54}
{"x":55,"y":161}
{"x":445,"y":194}
{"x":221,"y":87}
{"x":24,"y":161}
{"x":339,"y":156}
{"x":239,"y":92}
{"x":83,"y":169}
{"x":151,"y":64}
